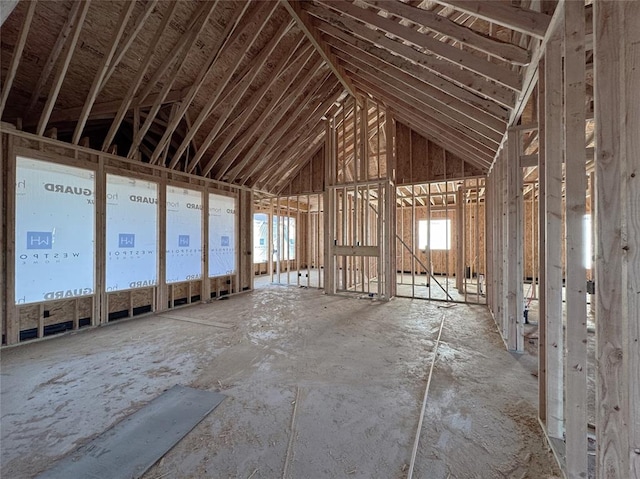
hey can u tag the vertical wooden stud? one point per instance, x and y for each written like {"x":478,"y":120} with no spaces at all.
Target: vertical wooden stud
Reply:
{"x":617,"y":216}
{"x":575,"y":200}
{"x":553,"y":178}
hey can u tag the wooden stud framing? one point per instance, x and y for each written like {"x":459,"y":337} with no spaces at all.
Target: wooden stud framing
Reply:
{"x":575,"y":193}
{"x":515,"y":252}
{"x":553,"y":179}
{"x":542,"y":257}
{"x":617,"y":174}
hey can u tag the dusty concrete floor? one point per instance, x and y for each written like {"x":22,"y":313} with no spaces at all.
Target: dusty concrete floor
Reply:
{"x":358,"y":369}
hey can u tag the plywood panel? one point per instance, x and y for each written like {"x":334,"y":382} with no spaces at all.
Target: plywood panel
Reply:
{"x":60,"y":312}
{"x":436,"y":160}
{"x":403,"y":154}
{"x":419,"y":159}
{"x":119,"y":301}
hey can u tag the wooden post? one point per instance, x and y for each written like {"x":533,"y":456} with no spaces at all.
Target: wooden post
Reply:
{"x":4,"y":301}
{"x":576,"y":278}
{"x":617,"y":202}
{"x":504,"y":246}
{"x":161,"y":288}
{"x":205,"y":283}
{"x":592,"y":232}
{"x":460,"y":238}
{"x":12,"y":331}
{"x":515,"y":251}
{"x":389,"y":208}
{"x":100,"y":312}
{"x":553,"y":239}
{"x":542,"y":258}
{"x":329,"y":206}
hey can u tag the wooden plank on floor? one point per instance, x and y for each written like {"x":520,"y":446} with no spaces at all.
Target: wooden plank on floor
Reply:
{"x":197,"y":321}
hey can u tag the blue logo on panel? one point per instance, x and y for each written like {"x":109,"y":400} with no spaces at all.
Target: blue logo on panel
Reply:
{"x":39,"y":240}
{"x":126,"y":240}
{"x":224,"y":241}
{"x":183,"y":240}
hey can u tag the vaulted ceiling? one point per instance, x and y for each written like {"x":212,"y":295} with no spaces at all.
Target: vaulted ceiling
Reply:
{"x":234,"y":90}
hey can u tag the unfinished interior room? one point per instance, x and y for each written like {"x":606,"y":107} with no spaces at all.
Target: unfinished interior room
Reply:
{"x":308,"y":239}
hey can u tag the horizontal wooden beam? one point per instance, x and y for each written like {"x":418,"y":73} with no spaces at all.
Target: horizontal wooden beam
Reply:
{"x":504,"y":13}
{"x":366,"y":51}
{"x":416,"y":90}
{"x":464,"y":78}
{"x":497,"y":72}
{"x":460,"y":33}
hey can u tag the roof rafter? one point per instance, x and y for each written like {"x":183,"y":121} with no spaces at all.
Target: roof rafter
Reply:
{"x":464,"y":78}
{"x":367,"y":52}
{"x":283,"y":106}
{"x":499,"y":73}
{"x":247,"y":22}
{"x":450,"y":139}
{"x":122,"y":50}
{"x":52,"y":59}
{"x":257,"y":65}
{"x":482,"y":123}
{"x":56,"y":85}
{"x":304,"y":23}
{"x":277,"y":155}
{"x":300,"y":157}
{"x":127,"y":101}
{"x":125,"y":14}
{"x":460,"y":33}
{"x":291,"y":106}
{"x":253,"y":103}
{"x":245,"y":138}
{"x":426,"y":111}
{"x":188,"y":39}
{"x":17,"y":54}
{"x":504,"y":13}
{"x":204,"y":72}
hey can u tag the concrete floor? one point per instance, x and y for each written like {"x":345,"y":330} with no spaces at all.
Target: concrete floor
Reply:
{"x":407,"y":285}
{"x":353,"y":370}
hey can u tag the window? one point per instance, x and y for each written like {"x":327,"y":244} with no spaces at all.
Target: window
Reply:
{"x":284,"y":233}
{"x":222,"y":235}
{"x":54,"y":233}
{"x":586,"y":241}
{"x":183,"y":235}
{"x":260,"y":237}
{"x":439,"y":234}
{"x":132,"y":233}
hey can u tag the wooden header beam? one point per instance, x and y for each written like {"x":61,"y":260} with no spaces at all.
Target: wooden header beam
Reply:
{"x":304,"y":23}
